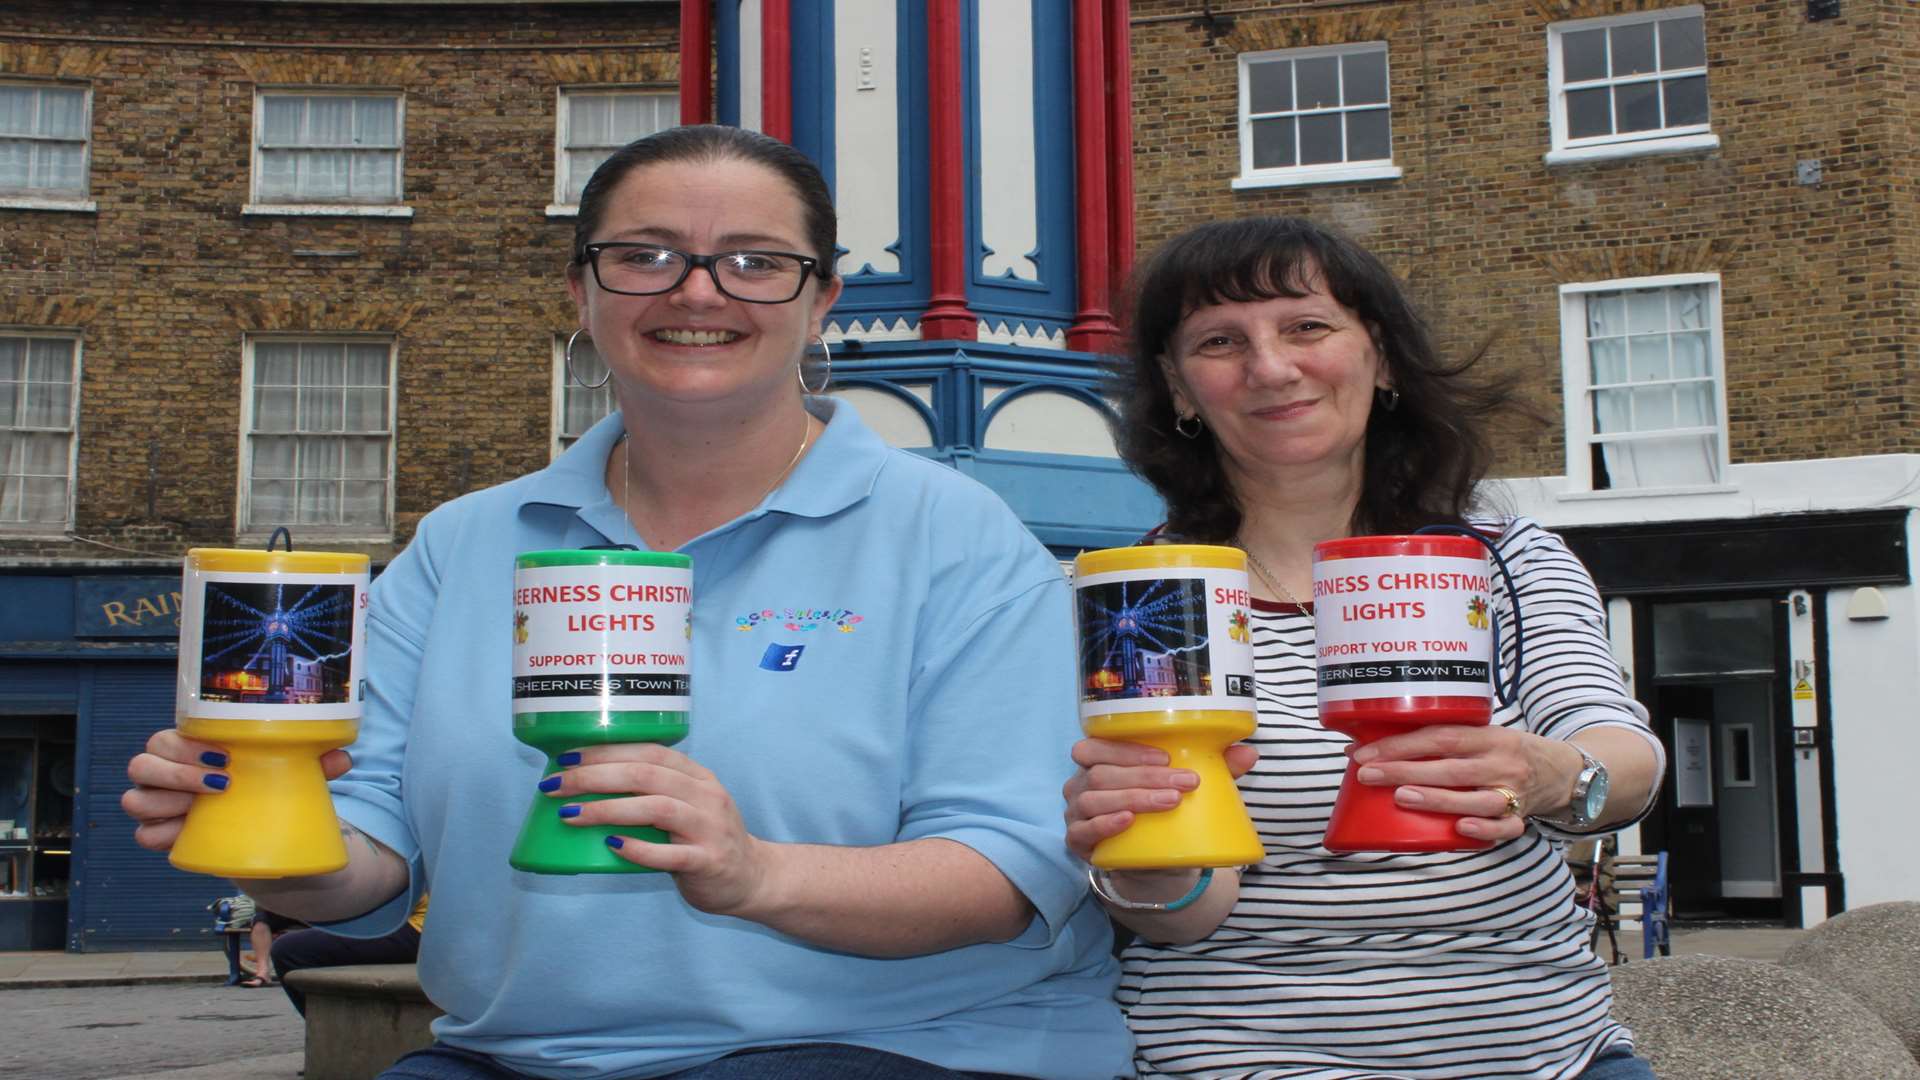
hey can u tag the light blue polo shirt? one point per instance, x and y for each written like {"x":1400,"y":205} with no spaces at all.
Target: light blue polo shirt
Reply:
{"x":929,"y":694}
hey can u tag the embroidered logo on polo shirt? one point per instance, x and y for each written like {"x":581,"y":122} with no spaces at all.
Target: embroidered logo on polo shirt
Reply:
{"x":781,"y":657}
{"x":799,"y":619}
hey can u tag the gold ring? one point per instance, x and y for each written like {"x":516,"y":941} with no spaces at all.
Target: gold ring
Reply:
{"x":1513,"y":799}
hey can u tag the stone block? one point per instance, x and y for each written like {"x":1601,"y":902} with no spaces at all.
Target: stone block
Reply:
{"x":1718,"y":1018}
{"x":360,"y":1018}
{"x":1872,"y":953}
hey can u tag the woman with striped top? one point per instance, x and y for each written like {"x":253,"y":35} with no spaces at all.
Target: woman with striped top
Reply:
{"x":1282,"y":391}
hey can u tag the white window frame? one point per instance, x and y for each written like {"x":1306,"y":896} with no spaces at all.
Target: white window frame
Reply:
{"x":1687,"y":138}
{"x":244,"y":503}
{"x":65,"y":525}
{"x":398,"y":208}
{"x":1330,"y":173}
{"x":562,"y":117}
{"x":1576,"y":383}
{"x":561,"y":383}
{"x":31,"y":198}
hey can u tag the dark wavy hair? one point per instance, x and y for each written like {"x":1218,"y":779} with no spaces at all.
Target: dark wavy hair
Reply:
{"x":1423,"y":458}
{"x":708,"y":143}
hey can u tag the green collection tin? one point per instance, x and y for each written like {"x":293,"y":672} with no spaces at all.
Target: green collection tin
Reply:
{"x":600,"y":656}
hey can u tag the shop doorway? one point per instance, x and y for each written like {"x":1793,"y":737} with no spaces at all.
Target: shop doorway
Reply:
{"x":37,"y":785}
{"x":1714,"y":692}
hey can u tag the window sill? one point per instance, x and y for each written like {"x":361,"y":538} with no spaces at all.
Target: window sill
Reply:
{"x":35,"y":202}
{"x":313,"y":535}
{"x":1647,"y":492}
{"x":324,"y":210}
{"x":1305,"y":175}
{"x":1678,"y":144}
{"x":558,"y":210}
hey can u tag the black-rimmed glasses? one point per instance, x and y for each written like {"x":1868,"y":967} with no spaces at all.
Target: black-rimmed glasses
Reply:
{"x":756,"y":277}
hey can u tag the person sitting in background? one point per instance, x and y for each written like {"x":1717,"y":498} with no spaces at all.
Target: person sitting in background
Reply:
{"x":311,"y":948}
{"x":1281,"y":391}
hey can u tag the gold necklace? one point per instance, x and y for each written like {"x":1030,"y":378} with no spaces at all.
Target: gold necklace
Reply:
{"x":1266,"y":575}
{"x":626,"y":473}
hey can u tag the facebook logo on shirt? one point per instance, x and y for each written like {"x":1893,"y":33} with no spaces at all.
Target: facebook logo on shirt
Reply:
{"x":781,"y":657}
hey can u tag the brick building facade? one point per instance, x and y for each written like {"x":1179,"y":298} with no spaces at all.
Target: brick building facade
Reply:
{"x":178,"y":263}
{"x":1691,"y":232}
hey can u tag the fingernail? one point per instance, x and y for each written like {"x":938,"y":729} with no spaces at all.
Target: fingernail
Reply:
{"x":214,"y":758}
{"x":1370,"y":775}
{"x":615,"y":842}
{"x":1186,"y":781}
{"x":216,"y":781}
{"x":569,"y":811}
{"x":571,"y":757}
{"x":1409,"y":797}
{"x":551,"y":783}
{"x":1365,"y":754}
{"x":1165,"y":798}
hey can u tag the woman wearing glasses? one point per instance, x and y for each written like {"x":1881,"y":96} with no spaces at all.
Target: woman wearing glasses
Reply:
{"x":867,"y":875}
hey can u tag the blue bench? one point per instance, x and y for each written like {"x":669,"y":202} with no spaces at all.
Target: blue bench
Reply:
{"x":1632,"y":888}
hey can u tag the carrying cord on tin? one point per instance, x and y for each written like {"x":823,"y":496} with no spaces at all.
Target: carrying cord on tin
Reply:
{"x":1510,"y":694}
{"x":279,"y":534}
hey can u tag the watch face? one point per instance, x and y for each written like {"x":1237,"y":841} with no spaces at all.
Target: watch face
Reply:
{"x":1596,"y":796}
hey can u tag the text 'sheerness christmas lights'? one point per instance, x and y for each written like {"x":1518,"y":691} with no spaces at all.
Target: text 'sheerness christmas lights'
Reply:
{"x":270,"y":662}
{"x":1403,"y":636}
{"x":600,"y":655}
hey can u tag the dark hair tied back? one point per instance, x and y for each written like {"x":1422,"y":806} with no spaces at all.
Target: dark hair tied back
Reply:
{"x":1423,"y":458}
{"x":709,"y":143}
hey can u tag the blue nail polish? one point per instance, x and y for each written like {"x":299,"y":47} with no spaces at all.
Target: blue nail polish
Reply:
{"x":569,"y":811}
{"x":214,"y":758}
{"x":615,"y":842}
{"x":551,"y":783}
{"x":216,"y":781}
{"x":571,"y":757}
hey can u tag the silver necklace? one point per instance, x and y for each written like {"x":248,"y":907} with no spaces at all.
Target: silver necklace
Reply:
{"x":1266,"y":575}
{"x":626,"y":473}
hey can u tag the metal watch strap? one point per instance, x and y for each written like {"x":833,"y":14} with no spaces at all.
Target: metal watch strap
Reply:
{"x":1582,"y":783}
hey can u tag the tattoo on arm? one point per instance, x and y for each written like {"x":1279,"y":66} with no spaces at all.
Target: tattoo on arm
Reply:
{"x":349,"y":834}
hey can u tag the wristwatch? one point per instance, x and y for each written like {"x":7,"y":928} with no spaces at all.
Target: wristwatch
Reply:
{"x":1589,"y":791}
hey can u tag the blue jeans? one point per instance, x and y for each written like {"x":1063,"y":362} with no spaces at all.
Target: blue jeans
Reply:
{"x":800,"y":1061}
{"x":1618,"y":1063}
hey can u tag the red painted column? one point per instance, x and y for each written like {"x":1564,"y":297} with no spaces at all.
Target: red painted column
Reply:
{"x":1120,"y":143}
{"x":776,"y":69}
{"x":696,"y":71}
{"x":947,"y":317}
{"x":1092,"y":329}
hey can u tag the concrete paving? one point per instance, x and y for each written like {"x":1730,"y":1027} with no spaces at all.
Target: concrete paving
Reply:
{"x":204,"y":1031}
{"x":46,"y":970}
{"x":1767,"y":943}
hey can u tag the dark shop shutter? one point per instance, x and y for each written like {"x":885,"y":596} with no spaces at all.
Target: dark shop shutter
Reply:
{"x":125,"y":897}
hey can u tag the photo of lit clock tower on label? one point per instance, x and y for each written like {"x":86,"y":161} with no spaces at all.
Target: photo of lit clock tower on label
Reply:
{"x":1144,"y":639}
{"x":277,"y":644}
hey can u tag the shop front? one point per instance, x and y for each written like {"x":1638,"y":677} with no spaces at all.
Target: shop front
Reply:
{"x":86,"y":675}
{"x":1756,"y":646}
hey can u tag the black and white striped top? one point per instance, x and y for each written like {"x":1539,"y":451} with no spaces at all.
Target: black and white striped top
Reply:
{"x":1453,"y":964}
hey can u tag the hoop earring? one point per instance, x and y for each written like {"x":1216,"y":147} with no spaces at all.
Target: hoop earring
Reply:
{"x":575,"y":336}
{"x":1180,"y":425}
{"x":1389,"y":398}
{"x":800,"y":372}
